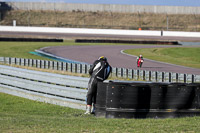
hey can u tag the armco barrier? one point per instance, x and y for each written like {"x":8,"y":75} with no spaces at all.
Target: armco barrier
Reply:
{"x":147,"y":100}
{"x":153,"y":76}
{"x":79,"y":31}
{"x":97,"y":31}
{"x":42,"y":86}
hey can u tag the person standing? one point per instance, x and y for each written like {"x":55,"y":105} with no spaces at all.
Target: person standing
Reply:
{"x":99,"y":72}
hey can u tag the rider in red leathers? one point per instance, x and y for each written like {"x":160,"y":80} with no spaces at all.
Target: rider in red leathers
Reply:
{"x":139,"y":61}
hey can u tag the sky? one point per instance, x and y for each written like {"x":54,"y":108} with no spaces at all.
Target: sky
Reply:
{"x":126,"y":2}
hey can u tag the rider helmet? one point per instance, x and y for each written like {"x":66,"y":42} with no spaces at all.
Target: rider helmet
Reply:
{"x":103,"y":58}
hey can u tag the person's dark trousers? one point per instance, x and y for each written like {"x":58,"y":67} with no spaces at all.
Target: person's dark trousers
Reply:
{"x":92,"y":90}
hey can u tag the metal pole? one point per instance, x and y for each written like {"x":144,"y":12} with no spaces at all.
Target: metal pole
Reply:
{"x":163,"y":76}
{"x":132,"y":73}
{"x":138,"y":74}
{"x":144,"y":74}
{"x":185,"y":78}
{"x":122,"y":73}
{"x":170,"y":77}
{"x":167,"y":23}
{"x":176,"y":77}
{"x":192,"y":78}
{"x":149,"y":75}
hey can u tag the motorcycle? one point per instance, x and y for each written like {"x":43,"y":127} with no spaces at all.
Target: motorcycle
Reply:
{"x":140,"y":62}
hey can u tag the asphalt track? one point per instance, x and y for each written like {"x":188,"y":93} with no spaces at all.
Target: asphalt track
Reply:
{"x":116,"y":58}
{"x":112,"y":52}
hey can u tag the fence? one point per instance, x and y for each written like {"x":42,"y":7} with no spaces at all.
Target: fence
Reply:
{"x":104,"y":7}
{"x":46,"y":87}
{"x":128,"y":74}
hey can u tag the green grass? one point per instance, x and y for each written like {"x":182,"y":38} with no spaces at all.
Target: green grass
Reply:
{"x":22,"y":115}
{"x":22,"y":49}
{"x":189,"y":56}
{"x":181,"y":56}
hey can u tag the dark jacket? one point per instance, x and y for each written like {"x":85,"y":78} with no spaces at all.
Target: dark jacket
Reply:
{"x":100,"y":69}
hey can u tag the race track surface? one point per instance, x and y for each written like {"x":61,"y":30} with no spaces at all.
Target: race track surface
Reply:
{"x":116,"y":58}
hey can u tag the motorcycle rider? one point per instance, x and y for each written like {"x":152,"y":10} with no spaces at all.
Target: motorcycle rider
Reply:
{"x":138,"y":60}
{"x":99,"y":72}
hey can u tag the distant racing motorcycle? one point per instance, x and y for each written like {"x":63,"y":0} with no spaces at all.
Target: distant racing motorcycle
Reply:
{"x":140,"y":61}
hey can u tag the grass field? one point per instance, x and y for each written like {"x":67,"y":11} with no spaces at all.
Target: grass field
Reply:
{"x":181,"y":56}
{"x":19,"y":115}
{"x":22,"y":49}
{"x":189,"y":57}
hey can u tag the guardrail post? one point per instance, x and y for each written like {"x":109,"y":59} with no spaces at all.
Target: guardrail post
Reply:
{"x":176,"y":77}
{"x":20,"y":61}
{"x":40,"y":64}
{"x":15,"y":61}
{"x":66,"y":69}
{"x":149,"y":75}
{"x":75,"y":68}
{"x":116,"y":72}
{"x":57,"y":65}
{"x":81,"y":69}
{"x":90,"y":66}
{"x":144,"y":75}
{"x":71,"y":70}
{"x":24,"y":62}
{"x":28,"y":62}
{"x":62,"y":66}
{"x":163,"y":76}
{"x":126,"y":73}
{"x":122,"y":72}
{"x":85,"y":68}
{"x":192,"y":78}
{"x":138,"y":74}
{"x":53,"y":65}
{"x":36,"y":63}
{"x":44,"y":64}
{"x":185,"y":78}
{"x":32,"y":62}
{"x":170,"y":77}
{"x":132,"y":74}
{"x":156,"y":75}
{"x":9,"y":60}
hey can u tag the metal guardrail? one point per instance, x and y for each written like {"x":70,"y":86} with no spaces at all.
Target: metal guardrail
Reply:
{"x":42,"y":86}
{"x":132,"y":74}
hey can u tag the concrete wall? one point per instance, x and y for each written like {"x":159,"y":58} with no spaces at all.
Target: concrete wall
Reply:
{"x":104,"y":7}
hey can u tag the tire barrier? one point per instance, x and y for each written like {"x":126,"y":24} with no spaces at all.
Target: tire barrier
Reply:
{"x":147,"y":100}
{"x":29,"y":39}
{"x":126,"y":41}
